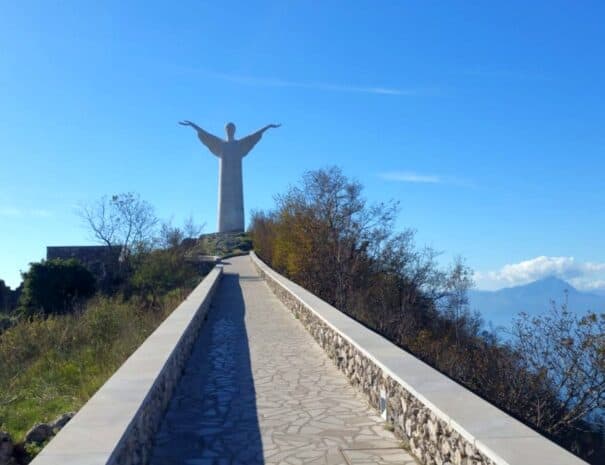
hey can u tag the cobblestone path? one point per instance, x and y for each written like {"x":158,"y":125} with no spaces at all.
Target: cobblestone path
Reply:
{"x":259,"y":390}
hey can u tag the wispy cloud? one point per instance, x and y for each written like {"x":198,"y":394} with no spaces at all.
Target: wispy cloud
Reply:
{"x":410,"y":176}
{"x":595,"y":285}
{"x":423,"y":178}
{"x":322,"y":86}
{"x":8,"y":211}
{"x":583,"y":275}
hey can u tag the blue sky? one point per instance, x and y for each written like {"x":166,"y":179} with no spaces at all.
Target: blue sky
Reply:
{"x":486,"y":120}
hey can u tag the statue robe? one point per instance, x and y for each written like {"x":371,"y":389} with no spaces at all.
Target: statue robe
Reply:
{"x":230,"y":180}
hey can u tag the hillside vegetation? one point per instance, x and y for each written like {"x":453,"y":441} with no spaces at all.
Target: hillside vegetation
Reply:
{"x":324,"y":235}
{"x":53,"y":365}
{"x":71,"y":330}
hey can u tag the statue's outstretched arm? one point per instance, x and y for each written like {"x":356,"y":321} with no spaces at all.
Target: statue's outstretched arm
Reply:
{"x":268,"y":126}
{"x":213,"y":143}
{"x":248,"y":142}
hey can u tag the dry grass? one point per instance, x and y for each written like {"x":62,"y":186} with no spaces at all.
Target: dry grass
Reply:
{"x":53,"y":365}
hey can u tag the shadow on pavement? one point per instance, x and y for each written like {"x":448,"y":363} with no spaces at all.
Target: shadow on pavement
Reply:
{"x":212,"y":418}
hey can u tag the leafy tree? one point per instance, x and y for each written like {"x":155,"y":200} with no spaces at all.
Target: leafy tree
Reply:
{"x":326,"y":233}
{"x":5,"y":295}
{"x":55,"y":286}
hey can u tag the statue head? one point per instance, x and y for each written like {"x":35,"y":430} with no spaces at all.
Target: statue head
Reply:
{"x":230,"y":130}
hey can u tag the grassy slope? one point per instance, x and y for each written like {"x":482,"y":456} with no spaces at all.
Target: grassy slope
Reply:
{"x":54,"y":365}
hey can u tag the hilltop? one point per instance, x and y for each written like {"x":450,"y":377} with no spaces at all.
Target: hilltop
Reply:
{"x":221,"y":245}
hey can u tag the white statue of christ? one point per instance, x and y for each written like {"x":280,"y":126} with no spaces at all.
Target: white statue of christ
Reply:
{"x":230,"y":185}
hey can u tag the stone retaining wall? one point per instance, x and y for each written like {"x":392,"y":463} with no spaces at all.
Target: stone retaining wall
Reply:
{"x":439,"y":421}
{"x":116,"y":426}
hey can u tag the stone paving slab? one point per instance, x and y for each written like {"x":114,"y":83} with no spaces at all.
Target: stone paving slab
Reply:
{"x":259,"y":390}
{"x":384,"y":456}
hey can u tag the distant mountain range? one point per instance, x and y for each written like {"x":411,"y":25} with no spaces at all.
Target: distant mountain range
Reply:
{"x":502,"y":306}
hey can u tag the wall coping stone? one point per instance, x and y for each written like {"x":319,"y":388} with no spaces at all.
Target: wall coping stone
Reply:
{"x":117,"y":423}
{"x":500,"y":437}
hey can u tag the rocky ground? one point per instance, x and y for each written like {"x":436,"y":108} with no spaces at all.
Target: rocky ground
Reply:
{"x":221,"y":245}
{"x":35,"y":439}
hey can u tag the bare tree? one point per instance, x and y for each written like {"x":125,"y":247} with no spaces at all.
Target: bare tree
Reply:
{"x":568,"y":353}
{"x":173,"y":236}
{"x":122,"y":220}
{"x":455,"y":303}
{"x":192,"y":229}
{"x":170,"y":236}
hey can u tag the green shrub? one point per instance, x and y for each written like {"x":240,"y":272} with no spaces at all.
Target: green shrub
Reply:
{"x":55,"y":287}
{"x":159,"y":271}
{"x":6,"y":322}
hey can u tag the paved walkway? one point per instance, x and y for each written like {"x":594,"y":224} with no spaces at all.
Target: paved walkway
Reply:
{"x":259,"y":390}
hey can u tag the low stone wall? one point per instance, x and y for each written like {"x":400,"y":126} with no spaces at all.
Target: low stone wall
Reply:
{"x":116,"y":426}
{"x":438,"y":420}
